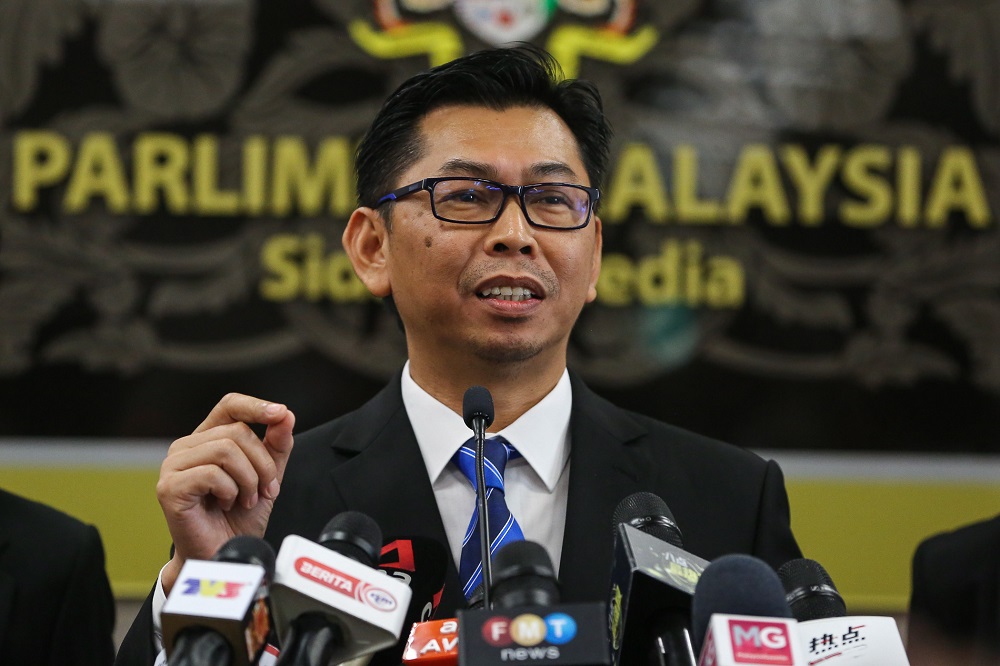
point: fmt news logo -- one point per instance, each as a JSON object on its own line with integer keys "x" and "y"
{"x": 761, "y": 642}
{"x": 529, "y": 636}
{"x": 215, "y": 589}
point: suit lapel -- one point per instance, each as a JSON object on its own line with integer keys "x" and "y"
{"x": 601, "y": 475}
{"x": 402, "y": 501}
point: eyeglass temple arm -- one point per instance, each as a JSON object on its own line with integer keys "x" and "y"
{"x": 403, "y": 191}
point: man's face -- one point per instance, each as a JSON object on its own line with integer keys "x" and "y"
{"x": 437, "y": 272}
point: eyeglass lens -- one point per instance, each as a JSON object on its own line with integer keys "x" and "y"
{"x": 480, "y": 201}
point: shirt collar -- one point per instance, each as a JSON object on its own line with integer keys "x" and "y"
{"x": 541, "y": 434}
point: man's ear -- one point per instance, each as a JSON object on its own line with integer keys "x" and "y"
{"x": 596, "y": 268}
{"x": 366, "y": 242}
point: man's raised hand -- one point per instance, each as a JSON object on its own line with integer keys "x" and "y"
{"x": 221, "y": 480}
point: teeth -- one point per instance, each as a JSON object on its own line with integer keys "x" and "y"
{"x": 507, "y": 293}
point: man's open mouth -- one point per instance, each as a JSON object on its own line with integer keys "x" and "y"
{"x": 507, "y": 293}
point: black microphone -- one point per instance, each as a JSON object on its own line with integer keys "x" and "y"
{"x": 354, "y": 535}
{"x": 739, "y": 585}
{"x": 217, "y": 613}
{"x": 523, "y": 576}
{"x": 810, "y": 591}
{"x": 527, "y": 622}
{"x": 330, "y": 604}
{"x": 477, "y": 410}
{"x": 652, "y": 581}
{"x": 422, "y": 563}
{"x": 648, "y": 513}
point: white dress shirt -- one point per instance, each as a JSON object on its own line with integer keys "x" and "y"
{"x": 536, "y": 485}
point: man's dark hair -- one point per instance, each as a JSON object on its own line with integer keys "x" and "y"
{"x": 497, "y": 79}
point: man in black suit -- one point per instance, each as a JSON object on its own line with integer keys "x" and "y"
{"x": 477, "y": 221}
{"x": 56, "y": 606}
{"x": 955, "y": 600}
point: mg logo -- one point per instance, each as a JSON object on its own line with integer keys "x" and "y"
{"x": 770, "y": 637}
{"x": 759, "y": 642}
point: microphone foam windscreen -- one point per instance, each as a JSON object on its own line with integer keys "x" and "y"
{"x": 521, "y": 558}
{"x": 648, "y": 513}
{"x": 245, "y": 549}
{"x": 477, "y": 402}
{"x": 355, "y": 535}
{"x": 810, "y": 591}
{"x": 523, "y": 575}
{"x": 736, "y": 585}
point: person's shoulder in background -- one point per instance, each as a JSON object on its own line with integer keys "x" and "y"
{"x": 56, "y": 605}
{"x": 955, "y": 598}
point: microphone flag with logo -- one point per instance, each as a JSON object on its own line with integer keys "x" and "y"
{"x": 739, "y": 615}
{"x": 527, "y": 624}
{"x": 217, "y": 613}
{"x": 652, "y": 580}
{"x": 826, "y": 632}
{"x": 328, "y": 598}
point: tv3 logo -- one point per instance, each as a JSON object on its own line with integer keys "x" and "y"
{"x": 216, "y": 589}
{"x": 761, "y": 642}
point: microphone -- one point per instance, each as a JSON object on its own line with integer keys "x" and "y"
{"x": 648, "y": 513}
{"x": 330, "y": 604}
{"x": 527, "y": 622}
{"x": 421, "y": 563}
{"x": 652, "y": 580}
{"x": 217, "y": 613}
{"x": 826, "y": 632}
{"x": 477, "y": 410}
{"x": 737, "y": 585}
{"x": 524, "y": 577}
{"x": 739, "y": 615}
{"x": 810, "y": 591}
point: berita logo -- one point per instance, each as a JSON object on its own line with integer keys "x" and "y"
{"x": 529, "y": 636}
{"x": 344, "y": 583}
{"x": 759, "y": 642}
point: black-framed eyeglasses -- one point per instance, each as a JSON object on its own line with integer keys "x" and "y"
{"x": 561, "y": 206}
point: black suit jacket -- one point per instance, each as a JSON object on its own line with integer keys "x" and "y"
{"x": 56, "y": 606}
{"x": 725, "y": 499}
{"x": 955, "y": 598}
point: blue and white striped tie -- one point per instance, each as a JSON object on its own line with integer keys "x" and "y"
{"x": 503, "y": 528}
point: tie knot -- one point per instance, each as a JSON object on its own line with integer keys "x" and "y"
{"x": 497, "y": 452}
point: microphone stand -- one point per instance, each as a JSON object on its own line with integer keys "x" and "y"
{"x": 671, "y": 641}
{"x": 479, "y": 429}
